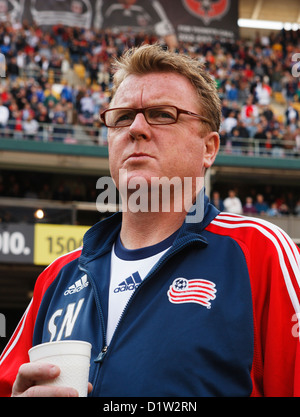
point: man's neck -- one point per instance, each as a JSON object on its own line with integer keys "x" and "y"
{"x": 146, "y": 229}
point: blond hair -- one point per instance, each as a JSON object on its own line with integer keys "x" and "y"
{"x": 154, "y": 58}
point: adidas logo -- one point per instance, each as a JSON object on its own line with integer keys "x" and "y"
{"x": 129, "y": 284}
{"x": 78, "y": 286}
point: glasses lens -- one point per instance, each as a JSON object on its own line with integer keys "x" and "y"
{"x": 161, "y": 115}
{"x": 119, "y": 117}
{"x": 158, "y": 115}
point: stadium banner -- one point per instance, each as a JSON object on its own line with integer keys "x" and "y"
{"x": 38, "y": 244}
{"x": 188, "y": 20}
{"x": 52, "y": 241}
{"x": 16, "y": 243}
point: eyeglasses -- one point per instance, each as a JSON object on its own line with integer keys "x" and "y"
{"x": 154, "y": 115}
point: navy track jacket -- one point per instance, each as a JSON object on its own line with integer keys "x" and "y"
{"x": 216, "y": 316}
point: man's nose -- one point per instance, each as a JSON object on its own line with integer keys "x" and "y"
{"x": 140, "y": 128}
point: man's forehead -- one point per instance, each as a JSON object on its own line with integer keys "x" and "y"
{"x": 156, "y": 86}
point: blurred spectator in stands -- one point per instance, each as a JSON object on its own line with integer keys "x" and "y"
{"x": 259, "y": 71}
{"x": 261, "y": 205}
{"x": 62, "y": 192}
{"x": 232, "y": 203}
{"x": 43, "y": 119}
{"x": 224, "y": 140}
{"x": 297, "y": 209}
{"x": 27, "y": 111}
{"x": 59, "y": 129}
{"x": 231, "y": 90}
{"x": 290, "y": 86}
{"x": 103, "y": 76}
{"x": 261, "y": 136}
{"x": 34, "y": 103}
{"x": 239, "y": 135}
{"x": 59, "y": 115}
{"x": 284, "y": 209}
{"x": 291, "y": 115}
{"x": 45, "y": 193}
{"x": 17, "y": 125}
{"x": 86, "y": 109}
{"x": 217, "y": 201}
{"x": 100, "y": 99}
{"x": 13, "y": 187}
{"x": 272, "y": 142}
{"x": 250, "y": 115}
{"x": 268, "y": 114}
{"x": 276, "y": 77}
{"x": 30, "y": 127}
{"x": 79, "y": 192}
{"x": 263, "y": 92}
{"x": 290, "y": 200}
{"x": 12, "y": 69}
{"x": 249, "y": 207}
{"x": 273, "y": 210}
{"x": 229, "y": 122}
{"x": 49, "y": 95}
{"x": 4, "y": 115}
{"x": 66, "y": 92}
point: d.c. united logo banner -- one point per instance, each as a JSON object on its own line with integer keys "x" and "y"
{"x": 207, "y": 10}
{"x": 192, "y": 21}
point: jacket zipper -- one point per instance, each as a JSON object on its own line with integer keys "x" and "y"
{"x": 106, "y": 348}
{"x": 166, "y": 257}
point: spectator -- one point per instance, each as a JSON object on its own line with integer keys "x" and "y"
{"x": 59, "y": 115}
{"x": 232, "y": 203}
{"x": 217, "y": 201}
{"x": 276, "y": 77}
{"x": 229, "y": 122}
{"x": 273, "y": 210}
{"x": 249, "y": 207}
{"x": 239, "y": 135}
{"x": 4, "y": 115}
{"x": 291, "y": 114}
{"x": 250, "y": 115}
{"x": 260, "y": 205}
{"x": 86, "y": 110}
{"x": 263, "y": 92}
{"x": 232, "y": 92}
{"x": 297, "y": 208}
{"x": 59, "y": 129}
{"x": 30, "y": 127}
{"x": 27, "y": 111}
{"x": 261, "y": 136}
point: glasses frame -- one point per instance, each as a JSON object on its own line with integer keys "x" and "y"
{"x": 143, "y": 111}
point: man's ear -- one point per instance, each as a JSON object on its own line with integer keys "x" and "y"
{"x": 212, "y": 144}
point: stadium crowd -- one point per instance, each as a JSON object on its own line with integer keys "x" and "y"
{"x": 61, "y": 78}
{"x": 251, "y": 75}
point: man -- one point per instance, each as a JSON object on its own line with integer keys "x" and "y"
{"x": 232, "y": 203}
{"x": 172, "y": 307}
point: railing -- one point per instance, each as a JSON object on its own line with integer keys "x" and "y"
{"x": 69, "y": 213}
{"x": 25, "y": 210}
{"x": 86, "y": 134}
{"x": 276, "y": 148}
{"x": 94, "y": 133}
{"x": 54, "y": 75}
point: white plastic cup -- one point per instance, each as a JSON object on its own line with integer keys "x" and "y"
{"x": 73, "y": 359}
